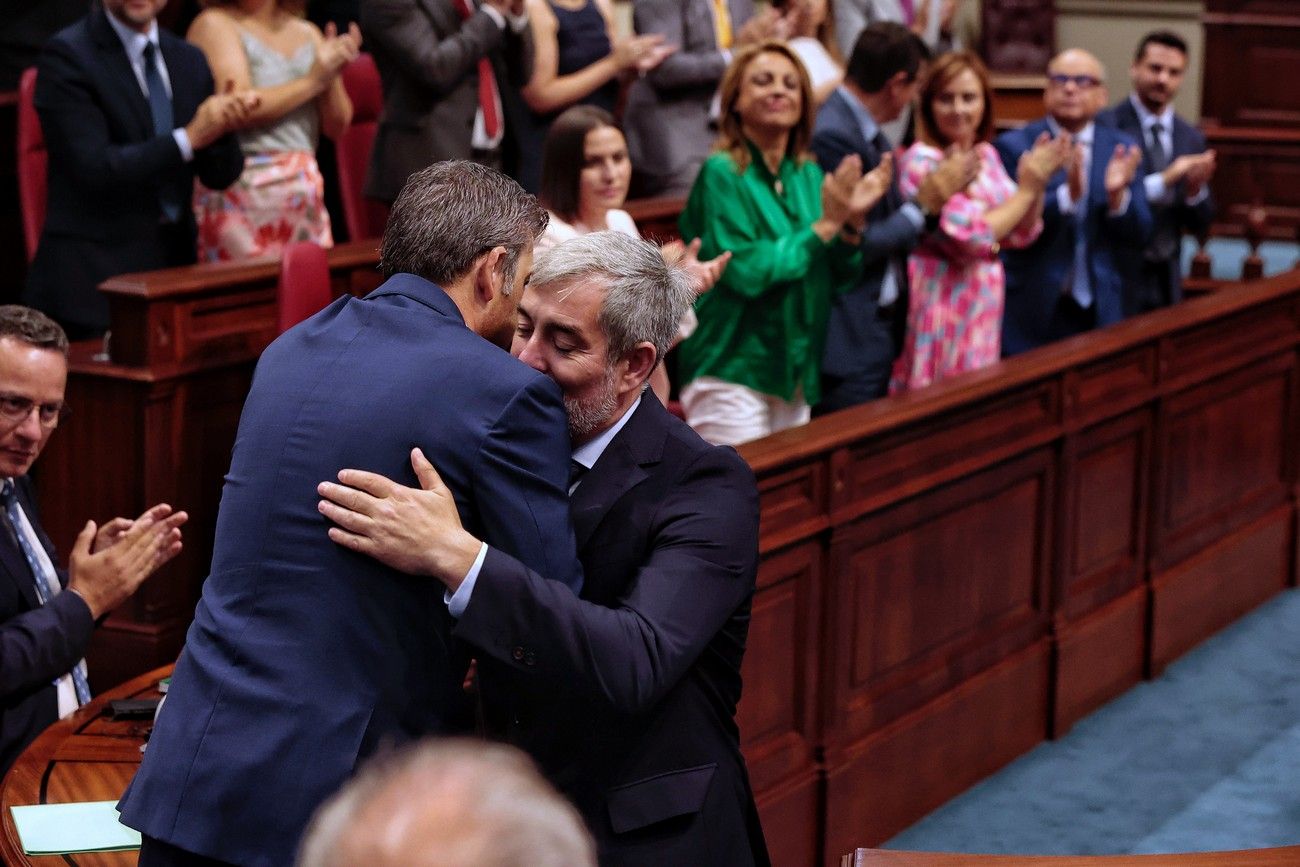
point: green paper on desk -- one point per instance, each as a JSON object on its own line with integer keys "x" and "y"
{"x": 56, "y": 829}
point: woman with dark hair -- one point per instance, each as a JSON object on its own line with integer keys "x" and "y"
{"x": 267, "y": 46}
{"x": 753, "y": 366}
{"x": 957, "y": 283}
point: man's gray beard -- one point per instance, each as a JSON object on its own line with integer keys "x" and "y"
{"x": 587, "y": 414}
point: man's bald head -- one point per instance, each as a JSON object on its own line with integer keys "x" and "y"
{"x": 448, "y": 804}
{"x": 1076, "y": 88}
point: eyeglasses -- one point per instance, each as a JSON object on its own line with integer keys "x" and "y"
{"x": 15, "y": 409}
{"x": 1083, "y": 82}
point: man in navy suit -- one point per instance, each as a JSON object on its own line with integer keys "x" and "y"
{"x": 130, "y": 119}
{"x": 1176, "y": 168}
{"x": 304, "y": 658}
{"x": 627, "y": 695}
{"x": 47, "y": 614}
{"x": 865, "y": 332}
{"x": 1071, "y": 280}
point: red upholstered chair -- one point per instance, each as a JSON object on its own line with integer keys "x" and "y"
{"x": 365, "y": 217}
{"x": 304, "y": 287}
{"x": 32, "y": 160}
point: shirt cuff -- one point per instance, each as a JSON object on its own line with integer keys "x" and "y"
{"x": 493, "y": 13}
{"x": 1193, "y": 201}
{"x": 1124, "y": 202}
{"x": 183, "y": 142}
{"x": 912, "y": 211}
{"x": 1064, "y": 203}
{"x": 457, "y": 602}
{"x": 1157, "y": 191}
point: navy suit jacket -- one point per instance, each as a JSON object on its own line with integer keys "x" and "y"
{"x": 1171, "y": 221}
{"x": 38, "y": 643}
{"x": 107, "y": 166}
{"x": 858, "y": 346}
{"x": 640, "y": 677}
{"x": 1037, "y": 274}
{"x": 304, "y": 658}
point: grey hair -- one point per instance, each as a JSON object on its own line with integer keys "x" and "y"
{"x": 645, "y": 297}
{"x": 448, "y": 803}
{"x": 452, "y": 212}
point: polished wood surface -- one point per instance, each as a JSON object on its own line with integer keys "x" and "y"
{"x": 1286, "y": 856}
{"x": 953, "y": 575}
{"x": 86, "y": 757}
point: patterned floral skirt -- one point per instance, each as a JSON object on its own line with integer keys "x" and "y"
{"x": 280, "y": 198}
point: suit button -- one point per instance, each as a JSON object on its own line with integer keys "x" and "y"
{"x": 530, "y": 658}
{"x": 517, "y": 654}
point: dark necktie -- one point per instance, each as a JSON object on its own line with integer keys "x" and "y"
{"x": 1159, "y": 159}
{"x": 576, "y": 472}
{"x": 43, "y": 589}
{"x": 160, "y": 106}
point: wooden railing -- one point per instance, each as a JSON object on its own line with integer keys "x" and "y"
{"x": 951, "y": 576}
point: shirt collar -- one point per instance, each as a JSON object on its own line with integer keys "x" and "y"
{"x": 133, "y": 40}
{"x": 588, "y": 453}
{"x": 1083, "y": 136}
{"x": 866, "y": 122}
{"x": 1146, "y": 118}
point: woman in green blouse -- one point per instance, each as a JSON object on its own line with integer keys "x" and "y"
{"x": 751, "y": 367}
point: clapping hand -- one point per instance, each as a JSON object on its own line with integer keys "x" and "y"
{"x": 869, "y": 190}
{"x": 642, "y": 53}
{"x": 703, "y": 275}
{"x": 1195, "y": 169}
{"x": 837, "y": 191}
{"x": 1038, "y": 164}
{"x": 1120, "y": 172}
{"x": 335, "y": 52}
{"x": 953, "y": 174}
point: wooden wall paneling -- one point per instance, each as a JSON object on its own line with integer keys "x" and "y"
{"x": 792, "y": 504}
{"x": 1226, "y": 444}
{"x": 791, "y": 815}
{"x": 928, "y": 593}
{"x": 1098, "y": 656}
{"x": 883, "y": 784}
{"x": 1111, "y": 386}
{"x": 1195, "y": 354}
{"x": 1256, "y": 167}
{"x": 1198, "y": 597}
{"x": 1250, "y": 68}
{"x": 913, "y": 458}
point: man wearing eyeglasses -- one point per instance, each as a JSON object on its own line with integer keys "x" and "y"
{"x": 1072, "y": 279}
{"x": 47, "y": 614}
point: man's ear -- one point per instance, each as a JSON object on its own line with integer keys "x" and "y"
{"x": 638, "y": 364}
{"x": 489, "y": 274}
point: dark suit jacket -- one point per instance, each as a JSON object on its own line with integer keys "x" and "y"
{"x": 106, "y": 167}
{"x": 641, "y": 676}
{"x": 428, "y": 60}
{"x": 860, "y": 347}
{"x": 37, "y": 643}
{"x": 667, "y": 114}
{"x": 1036, "y": 275}
{"x": 304, "y": 657}
{"x": 1160, "y": 264}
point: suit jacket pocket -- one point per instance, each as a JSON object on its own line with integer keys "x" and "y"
{"x": 664, "y": 796}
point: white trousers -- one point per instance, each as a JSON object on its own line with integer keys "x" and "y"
{"x": 728, "y": 414}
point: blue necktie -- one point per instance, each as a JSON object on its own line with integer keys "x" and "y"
{"x": 1080, "y": 279}
{"x": 43, "y": 589}
{"x": 160, "y": 106}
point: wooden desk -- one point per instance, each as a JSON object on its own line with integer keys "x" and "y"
{"x": 1286, "y": 856}
{"x": 86, "y": 757}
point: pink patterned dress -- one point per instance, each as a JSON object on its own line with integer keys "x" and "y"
{"x": 954, "y": 319}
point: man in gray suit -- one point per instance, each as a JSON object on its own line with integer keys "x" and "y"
{"x": 668, "y": 119}
{"x": 452, "y": 70}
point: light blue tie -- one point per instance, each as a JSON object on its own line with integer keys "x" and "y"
{"x": 41, "y": 579}
{"x": 160, "y": 106}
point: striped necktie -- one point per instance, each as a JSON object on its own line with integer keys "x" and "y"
{"x": 42, "y": 580}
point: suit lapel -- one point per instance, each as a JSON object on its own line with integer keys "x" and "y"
{"x": 120, "y": 77}
{"x": 620, "y": 468}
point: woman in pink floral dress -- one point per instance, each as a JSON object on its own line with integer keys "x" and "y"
{"x": 295, "y": 69}
{"x": 957, "y": 283}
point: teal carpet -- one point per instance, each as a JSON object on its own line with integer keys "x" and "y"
{"x": 1207, "y": 757}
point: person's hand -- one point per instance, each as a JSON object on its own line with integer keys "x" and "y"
{"x": 953, "y": 174}
{"x": 947, "y": 11}
{"x": 1039, "y": 163}
{"x": 335, "y": 52}
{"x": 869, "y": 190}
{"x": 767, "y": 24}
{"x": 508, "y": 8}
{"x": 703, "y": 275}
{"x": 630, "y": 52}
{"x": 654, "y": 57}
{"x": 1195, "y": 169}
{"x": 1120, "y": 172}
{"x": 110, "y": 533}
{"x": 837, "y": 191}
{"x": 412, "y": 530}
{"x": 221, "y": 113}
{"x": 105, "y": 576}
{"x": 1073, "y": 169}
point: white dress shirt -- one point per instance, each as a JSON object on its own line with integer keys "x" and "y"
{"x": 134, "y": 42}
